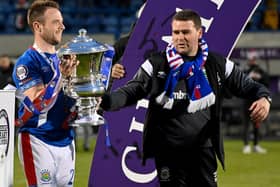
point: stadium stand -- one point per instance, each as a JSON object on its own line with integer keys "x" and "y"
{"x": 266, "y": 17}
{"x": 112, "y": 17}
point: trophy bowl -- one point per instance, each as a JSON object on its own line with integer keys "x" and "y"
{"x": 90, "y": 78}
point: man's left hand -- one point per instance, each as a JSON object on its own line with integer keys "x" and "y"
{"x": 259, "y": 110}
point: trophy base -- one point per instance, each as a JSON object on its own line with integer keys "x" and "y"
{"x": 93, "y": 120}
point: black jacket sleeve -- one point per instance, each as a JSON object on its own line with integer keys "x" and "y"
{"x": 241, "y": 85}
{"x": 136, "y": 89}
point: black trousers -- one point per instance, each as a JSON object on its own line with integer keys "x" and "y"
{"x": 195, "y": 168}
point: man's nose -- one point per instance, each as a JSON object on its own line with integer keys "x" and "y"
{"x": 62, "y": 26}
{"x": 181, "y": 35}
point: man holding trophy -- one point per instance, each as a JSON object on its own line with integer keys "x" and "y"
{"x": 46, "y": 146}
{"x": 50, "y": 86}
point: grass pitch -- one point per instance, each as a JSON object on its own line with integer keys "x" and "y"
{"x": 252, "y": 170}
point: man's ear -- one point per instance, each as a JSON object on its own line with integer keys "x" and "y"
{"x": 200, "y": 32}
{"x": 37, "y": 26}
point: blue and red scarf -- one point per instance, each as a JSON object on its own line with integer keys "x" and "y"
{"x": 199, "y": 91}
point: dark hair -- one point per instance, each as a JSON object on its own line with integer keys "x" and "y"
{"x": 186, "y": 15}
{"x": 38, "y": 9}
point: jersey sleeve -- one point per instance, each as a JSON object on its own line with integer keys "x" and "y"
{"x": 26, "y": 73}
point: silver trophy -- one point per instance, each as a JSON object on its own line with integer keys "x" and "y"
{"x": 90, "y": 78}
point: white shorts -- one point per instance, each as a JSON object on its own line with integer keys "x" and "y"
{"x": 46, "y": 165}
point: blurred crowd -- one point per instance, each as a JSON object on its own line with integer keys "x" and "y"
{"x": 266, "y": 17}
{"x": 107, "y": 16}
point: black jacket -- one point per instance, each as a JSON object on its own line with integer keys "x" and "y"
{"x": 175, "y": 127}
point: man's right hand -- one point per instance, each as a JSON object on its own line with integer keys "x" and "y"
{"x": 68, "y": 64}
{"x": 118, "y": 71}
{"x": 259, "y": 110}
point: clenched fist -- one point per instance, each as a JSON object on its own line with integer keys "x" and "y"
{"x": 118, "y": 71}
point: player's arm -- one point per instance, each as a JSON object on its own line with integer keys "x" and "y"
{"x": 66, "y": 68}
{"x": 242, "y": 86}
{"x": 34, "y": 91}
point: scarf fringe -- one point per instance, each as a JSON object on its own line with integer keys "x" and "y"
{"x": 169, "y": 104}
{"x": 202, "y": 103}
{"x": 162, "y": 98}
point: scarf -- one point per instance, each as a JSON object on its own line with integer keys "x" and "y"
{"x": 199, "y": 91}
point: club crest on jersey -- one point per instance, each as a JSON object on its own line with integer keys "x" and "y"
{"x": 21, "y": 72}
{"x": 45, "y": 176}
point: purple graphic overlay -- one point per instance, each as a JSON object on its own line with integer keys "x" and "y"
{"x": 120, "y": 165}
